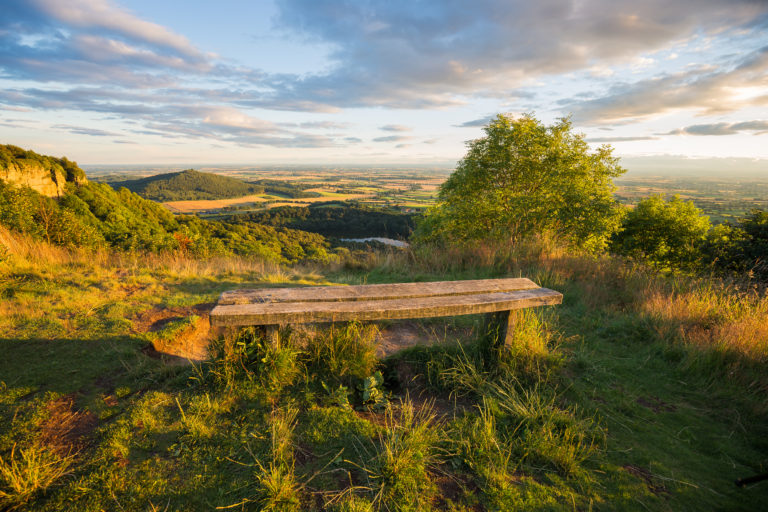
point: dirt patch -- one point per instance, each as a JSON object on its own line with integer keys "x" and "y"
{"x": 656, "y": 404}
{"x": 655, "y": 487}
{"x": 451, "y": 489}
{"x": 66, "y": 430}
{"x": 399, "y": 336}
{"x": 191, "y": 344}
{"x": 156, "y": 318}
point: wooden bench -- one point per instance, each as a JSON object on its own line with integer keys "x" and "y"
{"x": 272, "y": 307}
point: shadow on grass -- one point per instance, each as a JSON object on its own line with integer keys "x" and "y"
{"x": 76, "y": 365}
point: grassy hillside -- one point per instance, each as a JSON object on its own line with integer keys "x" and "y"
{"x": 189, "y": 185}
{"x": 94, "y": 215}
{"x": 639, "y": 392}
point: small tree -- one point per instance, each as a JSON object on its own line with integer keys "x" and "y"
{"x": 525, "y": 179}
{"x": 741, "y": 248}
{"x": 668, "y": 234}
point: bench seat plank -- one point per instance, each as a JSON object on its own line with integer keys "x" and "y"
{"x": 374, "y": 291}
{"x": 271, "y": 313}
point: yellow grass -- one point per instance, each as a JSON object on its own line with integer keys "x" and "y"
{"x": 212, "y": 204}
{"x": 216, "y": 204}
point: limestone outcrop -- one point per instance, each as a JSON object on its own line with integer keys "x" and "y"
{"x": 47, "y": 175}
{"x": 43, "y": 177}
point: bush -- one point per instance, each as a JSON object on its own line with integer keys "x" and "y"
{"x": 667, "y": 234}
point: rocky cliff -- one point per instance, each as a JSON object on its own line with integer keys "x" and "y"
{"x": 47, "y": 175}
{"x": 47, "y": 181}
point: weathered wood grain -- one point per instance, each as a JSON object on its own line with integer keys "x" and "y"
{"x": 374, "y": 291}
{"x": 380, "y": 309}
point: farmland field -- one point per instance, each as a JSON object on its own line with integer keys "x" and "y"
{"x": 723, "y": 199}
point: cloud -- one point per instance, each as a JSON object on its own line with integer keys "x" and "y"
{"x": 483, "y": 121}
{"x": 106, "y": 16}
{"x": 392, "y": 138}
{"x": 318, "y": 125}
{"x": 429, "y": 54}
{"x": 96, "y": 56}
{"x": 619, "y": 139}
{"x": 705, "y": 89}
{"x": 79, "y": 130}
{"x": 395, "y": 128}
{"x": 759, "y": 127}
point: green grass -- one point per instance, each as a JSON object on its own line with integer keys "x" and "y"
{"x": 637, "y": 393}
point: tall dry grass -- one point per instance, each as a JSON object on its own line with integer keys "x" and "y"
{"x": 25, "y": 251}
{"x": 720, "y": 321}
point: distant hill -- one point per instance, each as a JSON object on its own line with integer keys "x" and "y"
{"x": 82, "y": 213}
{"x": 189, "y": 185}
{"x": 46, "y": 175}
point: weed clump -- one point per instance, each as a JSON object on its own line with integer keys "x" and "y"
{"x": 399, "y": 474}
{"x": 248, "y": 356}
{"x": 342, "y": 355}
{"x": 25, "y": 472}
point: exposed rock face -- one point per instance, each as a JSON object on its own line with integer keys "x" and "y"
{"x": 48, "y": 180}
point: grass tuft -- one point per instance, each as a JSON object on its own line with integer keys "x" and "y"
{"x": 399, "y": 474}
{"x": 342, "y": 354}
{"x": 25, "y": 472}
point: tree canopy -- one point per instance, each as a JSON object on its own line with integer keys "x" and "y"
{"x": 667, "y": 234}
{"x": 525, "y": 179}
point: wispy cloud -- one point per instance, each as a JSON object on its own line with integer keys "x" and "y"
{"x": 705, "y": 89}
{"x": 97, "y": 57}
{"x": 757, "y": 127}
{"x": 429, "y": 54}
{"x": 483, "y": 121}
{"x": 392, "y": 138}
{"x": 80, "y": 130}
{"x": 619, "y": 139}
{"x": 395, "y": 128}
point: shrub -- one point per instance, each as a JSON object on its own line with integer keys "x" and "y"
{"x": 667, "y": 234}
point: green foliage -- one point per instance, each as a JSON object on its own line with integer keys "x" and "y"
{"x": 249, "y": 239}
{"x": 26, "y": 211}
{"x": 407, "y": 452}
{"x": 339, "y": 221}
{"x": 371, "y": 391}
{"x": 667, "y": 234}
{"x": 342, "y": 354}
{"x": 741, "y": 248}
{"x": 273, "y": 364}
{"x": 189, "y": 185}
{"x": 26, "y": 472}
{"x": 15, "y": 156}
{"x": 524, "y": 180}
{"x": 94, "y": 214}
{"x": 286, "y": 189}
{"x": 124, "y": 219}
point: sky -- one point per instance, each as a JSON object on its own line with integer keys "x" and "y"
{"x": 377, "y": 82}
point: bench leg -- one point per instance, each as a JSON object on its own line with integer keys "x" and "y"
{"x": 500, "y": 327}
{"x": 272, "y": 334}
